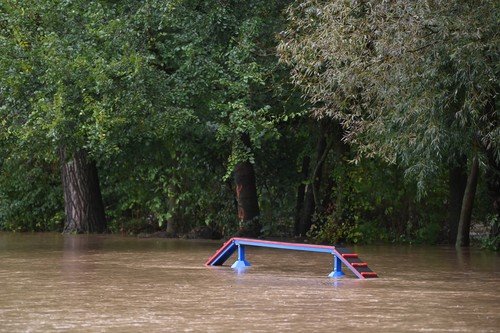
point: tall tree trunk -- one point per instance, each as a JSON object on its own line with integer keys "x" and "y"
{"x": 457, "y": 182}
{"x": 340, "y": 151}
{"x": 83, "y": 203}
{"x": 307, "y": 211}
{"x": 314, "y": 185}
{"x": 493, "y": 185}
{"x": 463, "y": 237}
{"x": 246, "y": 194}
{"x": 172, "y": 220}
{"x": 493, "y": 169}
{"x": 301, "y": 191}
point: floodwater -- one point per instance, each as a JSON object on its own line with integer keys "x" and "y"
{"x": 50, "y": 282}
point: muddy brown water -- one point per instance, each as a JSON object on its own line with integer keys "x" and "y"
{"x": 55, "y": 283}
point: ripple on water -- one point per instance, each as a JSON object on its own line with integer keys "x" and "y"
{"x": 107, "y": 283}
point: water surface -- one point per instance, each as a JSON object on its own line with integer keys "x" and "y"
{"x": 55, "y": 283}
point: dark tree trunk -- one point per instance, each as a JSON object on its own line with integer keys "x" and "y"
{"x": 313, "y": 187}
{"x": 457, "y": 182}
{"x": 328, "y": 202}
{"x": 301, "y": 190}
{"x": 463, "y": 239}
{"x": 172, "y": 221}
{"x": 332, "y": 204}
{"x": 246, "y": 194}
{"x": 493, "y": 185}
{"x": 493, "y": 169}
{"x": 308, "y": 209}
{"x": 82, "y": 195}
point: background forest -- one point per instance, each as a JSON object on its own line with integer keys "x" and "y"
{"x": 338, "y": 121}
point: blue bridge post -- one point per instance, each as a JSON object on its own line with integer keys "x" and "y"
{"x": 337, "y": 268}
{"x": 241, "y": 262}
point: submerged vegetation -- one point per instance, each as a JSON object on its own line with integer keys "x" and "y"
{"x": 340, "y": 121}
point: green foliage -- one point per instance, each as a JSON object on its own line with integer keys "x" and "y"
{"x": 372, "y": 202}
{"x": 492, "y": 240}
{"x": 412, "y": 83}
{"x": 161, "y": 93}
{"x": 429, "y": 233}
{"x": 334, "y": 231}
{"x": 30, "y": 196}
{"x": 75, "y": 77}
{"x": 158, "y": 92}
{"x": 372, "y": 232}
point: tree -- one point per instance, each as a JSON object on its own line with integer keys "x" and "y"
{"x": 73, "y": 82}
{"x": 410, "y": 82}
{"x": 223, "y": 69}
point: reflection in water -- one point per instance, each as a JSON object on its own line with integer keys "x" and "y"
{"x": 76, "y": 248}
{"x": 80, "y": 244}
{"x": 463, "y": 258}
{"x": 50, "y": 282}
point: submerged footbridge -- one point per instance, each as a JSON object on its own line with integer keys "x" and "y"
{"x": 340, "y": 255}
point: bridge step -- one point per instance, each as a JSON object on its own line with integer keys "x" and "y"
{"x": 359, "y": 264}
{"x": 369, "y": 274}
